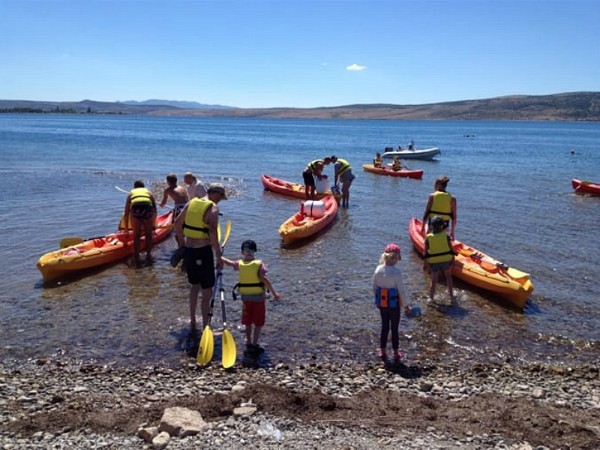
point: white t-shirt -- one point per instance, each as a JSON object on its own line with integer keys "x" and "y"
{"x": 196, "y": 190}
{"x": 390, "y": 277}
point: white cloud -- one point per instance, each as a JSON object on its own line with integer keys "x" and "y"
{"x": 356, "y": 67}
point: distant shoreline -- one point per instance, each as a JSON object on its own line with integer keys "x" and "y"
{"x": 576, "y": 106}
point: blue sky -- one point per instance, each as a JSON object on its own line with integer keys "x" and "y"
{"x": 297, "y": 53}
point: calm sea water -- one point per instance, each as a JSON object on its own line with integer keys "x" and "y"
{"x": 515, "y": 202}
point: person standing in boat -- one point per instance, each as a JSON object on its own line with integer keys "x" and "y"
{"x": 440, "y": 203}
{"x": 390, "y": 297}
{"x": 313, "y": 169}
{"x": 177, "y": 193}
{"x": 140, "y": 212}
{"x": 195, "y": 189}
{"x": 196, "y": 230}
{"x": 439, "y": 257}
{"x": 343, "y": 173}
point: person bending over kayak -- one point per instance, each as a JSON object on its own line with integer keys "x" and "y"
{"x": 312, "y": 170}
{"x": 140, "y": 212}
{"x": 343, "y": 174}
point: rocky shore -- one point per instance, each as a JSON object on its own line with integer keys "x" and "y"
{"x": 61, "y": 404}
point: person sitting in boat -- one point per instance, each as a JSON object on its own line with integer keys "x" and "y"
{"x": 312, "y": 170}
{"x": 411, "y": 146}
{"x": 396, "y": 164}
{"x": 378, "y": 162}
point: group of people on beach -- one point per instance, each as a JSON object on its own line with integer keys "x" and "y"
{"x": 196, "y": 213}
{"x": 196, "y": 221}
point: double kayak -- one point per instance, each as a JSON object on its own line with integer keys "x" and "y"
{"x": 290, "y": 189}
{"x": 478, "y": 269}
{"x": 307, "y": 222}
{"x": 384, "y": 170}
{"x": 585, "y": 187}
{"x": 95, "y": 252}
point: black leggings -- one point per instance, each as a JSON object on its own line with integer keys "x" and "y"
{"x": 389, "y": 316}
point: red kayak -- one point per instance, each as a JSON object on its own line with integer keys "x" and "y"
{"x": 417, "y": 174}
{"x": 290, "y": 189}
{"x": 585, "y": 187}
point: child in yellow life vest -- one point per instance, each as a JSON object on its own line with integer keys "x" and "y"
{"x": 439, "y": 256}
{"x": 396, "y": 164}
{"x": 390, "y": 297}
{"x": 252, "y": 287}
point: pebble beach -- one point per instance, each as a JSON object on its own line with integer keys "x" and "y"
{"x": 60, "y": 404}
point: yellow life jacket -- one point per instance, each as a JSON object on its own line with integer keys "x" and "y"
{"x": 441, "y": 205}
{"x": 140, "y": 196}
{"x": 344, "y": 166}
{"x": 439, "y": 250}
{"x": 312, "y": 166}
{"x": 250, "y": 283}
{"x": 194, "y": 225}
{"x": 377, "y": 162}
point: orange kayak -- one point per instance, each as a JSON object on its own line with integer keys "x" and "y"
{"x": 585, "y": 187}
{"x": 481, "y": 270}
{"x": 290, "y": 189}
{"x": 303, "y": 224}
{"x": 417, "y": 174}
{"x": 97, "y": 252}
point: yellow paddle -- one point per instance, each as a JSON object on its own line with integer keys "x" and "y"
{"x": 206, "y": 348}
{"x": 207, "y": 342}
{"x": 229, "y": 348}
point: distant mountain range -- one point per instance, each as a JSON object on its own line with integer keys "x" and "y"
{"x": 177, "y": 104}
{"x": 573, "y": 106}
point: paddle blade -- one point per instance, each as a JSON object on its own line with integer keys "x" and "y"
{"x": 207, "y": 347}
{"x": 219, "y": 232}
{"x": 229, "y": 350}
{"x": 227, "y": 233}
{"x": 67, "y": 242}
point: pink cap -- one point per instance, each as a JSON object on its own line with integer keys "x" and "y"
{"x": 392, "y": 248}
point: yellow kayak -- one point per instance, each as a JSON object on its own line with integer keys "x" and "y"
{"x": 304, "y": 224}
{"x": 96, "y": 252}
{"x": 481, "y": 270}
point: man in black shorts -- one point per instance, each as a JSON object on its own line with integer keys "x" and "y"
{"x": 196, "y": 229}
